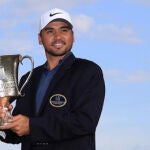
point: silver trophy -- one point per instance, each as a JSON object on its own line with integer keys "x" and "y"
{"x": 9, "y": 81}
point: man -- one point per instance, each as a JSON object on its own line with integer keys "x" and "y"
{"x": 64, "y": 97}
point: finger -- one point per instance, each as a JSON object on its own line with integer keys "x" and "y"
{"x": 10, "y": 107}
{"x": 6, "y": 126}
{"x": 2, "y": 113}
{"x": 14, "y": 118}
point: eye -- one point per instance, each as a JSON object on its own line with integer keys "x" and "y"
{"x": 65, "y": 29}
{"x": 49, "y": 30}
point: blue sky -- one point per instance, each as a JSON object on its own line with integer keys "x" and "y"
{"x": 114, "y": 34}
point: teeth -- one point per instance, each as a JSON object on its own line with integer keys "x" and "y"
{"x": 58, "y": 45}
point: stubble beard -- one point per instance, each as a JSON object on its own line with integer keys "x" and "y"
{"x": 55, "y": 54}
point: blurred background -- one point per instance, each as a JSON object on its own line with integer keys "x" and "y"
{"x": 114, "y": 34}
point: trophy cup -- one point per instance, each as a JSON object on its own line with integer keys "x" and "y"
{"x": 9, "y": 81}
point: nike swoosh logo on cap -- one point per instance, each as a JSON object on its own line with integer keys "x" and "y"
{"x": 54, "y": 14}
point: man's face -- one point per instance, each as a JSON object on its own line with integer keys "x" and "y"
{"x": 57, "y": 38}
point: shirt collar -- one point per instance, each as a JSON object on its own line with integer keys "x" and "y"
{"x": 60, "y": 61}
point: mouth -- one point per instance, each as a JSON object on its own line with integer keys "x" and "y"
{"x": 58, "y": 44}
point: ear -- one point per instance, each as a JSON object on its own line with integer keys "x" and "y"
{"x": 40, "y": 40}
{"x": 73, "y": 36}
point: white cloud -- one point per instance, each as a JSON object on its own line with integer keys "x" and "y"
{"x": 113, "y": 73}
{"x": 22, "y": 14}
{"x": 138, "y": 77}
{"x": 107, "y": 32}
{"x": 29, "y": 6}
{"x": 128, "y": 77}
{"x": 115, "y": 33}
{"x": 83, "y": 23}
{"x": 14, "y": 46}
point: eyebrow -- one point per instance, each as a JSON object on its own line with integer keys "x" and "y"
{"x": 48, "y": 28}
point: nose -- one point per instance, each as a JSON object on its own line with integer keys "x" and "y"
{"x": 57, "y": 34}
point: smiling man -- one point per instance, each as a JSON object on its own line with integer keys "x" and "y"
{"x": 64, "y": 98}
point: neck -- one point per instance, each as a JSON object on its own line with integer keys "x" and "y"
{"x": 52, "y": 61}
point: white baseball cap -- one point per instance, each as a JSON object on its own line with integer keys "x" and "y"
{"x": 52, "y": 15}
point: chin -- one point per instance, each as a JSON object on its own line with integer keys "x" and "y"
{"x": 57, "y": 53}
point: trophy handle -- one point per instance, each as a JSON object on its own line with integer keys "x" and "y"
{"x": 29, "y": 76}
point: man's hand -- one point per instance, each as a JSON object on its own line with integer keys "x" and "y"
{"x": 18, "y": 124}
{"x": 4, "y": 102}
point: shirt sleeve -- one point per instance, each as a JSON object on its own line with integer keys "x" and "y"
{"x": 8, "y": 136}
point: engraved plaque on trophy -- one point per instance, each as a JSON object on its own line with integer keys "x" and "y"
{"x": 9, "y": 81}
